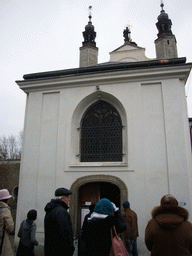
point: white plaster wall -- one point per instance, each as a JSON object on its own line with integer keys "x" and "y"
{"x": 128, "y": 53}
{"x": 88, "y": 56}
{"x": 166, "y": 47}
{"x": 157, "y": 145}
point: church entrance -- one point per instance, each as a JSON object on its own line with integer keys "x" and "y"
{"x": 89, "y": 190}
{"x": 91, "y": 193}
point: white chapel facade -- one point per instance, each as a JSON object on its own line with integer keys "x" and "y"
{"x": 118, "y": 130}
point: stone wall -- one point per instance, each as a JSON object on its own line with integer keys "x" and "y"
{"x": 9, "y": 179}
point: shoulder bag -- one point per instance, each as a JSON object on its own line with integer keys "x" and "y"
{"x": 117, "y": 245}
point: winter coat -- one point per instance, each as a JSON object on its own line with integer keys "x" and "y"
{"x": 130, "y": 218}
{"x": 168, "y": 232}
{"x": 7, "y": 220}
{"x": 58, "y": 229}
{"x": 97, "y": 233}
{"x": 27, "y": 232}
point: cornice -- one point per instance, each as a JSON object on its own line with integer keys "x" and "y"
{"x": 109, "y": 77}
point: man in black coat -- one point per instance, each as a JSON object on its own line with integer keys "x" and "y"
{"x": 58, "y": 226}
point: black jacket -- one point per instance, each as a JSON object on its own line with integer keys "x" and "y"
{"x": 58, "y": 229}
{"x": 97, "y": 233}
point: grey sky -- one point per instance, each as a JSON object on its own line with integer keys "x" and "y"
{"x": 45, "y": 35}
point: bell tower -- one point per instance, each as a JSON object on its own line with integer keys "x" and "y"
{"x": 165, "y": 44}
{"x": 89, "y": 51}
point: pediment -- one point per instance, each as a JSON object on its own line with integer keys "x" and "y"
{"x": 127, "y": 47}
{"x": 128, "y": 53}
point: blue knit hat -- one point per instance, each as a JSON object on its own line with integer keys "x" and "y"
{"x": 104, "y": 206}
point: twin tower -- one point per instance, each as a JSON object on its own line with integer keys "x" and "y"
{"x": 165, "y": 44}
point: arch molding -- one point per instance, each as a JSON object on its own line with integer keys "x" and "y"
{"x": 92, "y": 178}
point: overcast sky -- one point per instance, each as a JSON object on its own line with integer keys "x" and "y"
{"x": 45, "y": 35}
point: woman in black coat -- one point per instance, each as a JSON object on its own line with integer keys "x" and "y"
{"x": 97, "y": 229}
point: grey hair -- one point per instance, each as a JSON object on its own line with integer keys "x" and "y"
{"x": 59, "y": 197}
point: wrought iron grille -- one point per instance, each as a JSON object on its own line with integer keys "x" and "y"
{"x": 101, "y": 134}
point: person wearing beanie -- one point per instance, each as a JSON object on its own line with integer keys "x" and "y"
{"x": 97, "y": 231}
{"x": 169, "y": 232}
{"x": 58, "y": 226}
{"x": 131, "y": 233}
{"x": 26, "y": 234}
{"x": 6, "y": 224}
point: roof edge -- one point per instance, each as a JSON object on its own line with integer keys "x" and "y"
{"x": 105, "y": 67}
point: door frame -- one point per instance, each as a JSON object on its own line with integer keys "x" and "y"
{"x": 74, "y": 204}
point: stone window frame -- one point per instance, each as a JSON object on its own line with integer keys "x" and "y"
{"x": 78, "y": 113}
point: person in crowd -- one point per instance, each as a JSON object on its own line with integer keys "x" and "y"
{"x": 91, "y": 209}
{"x": 131, "y": 233}
{"x": 6, "y": 224}
{"x": 97, "y": 232}
{"x": 81, "y": 242}
{"x": 169, "y": 232}
{"x": 58, "y": 226}
{"x": 26, "y": 234}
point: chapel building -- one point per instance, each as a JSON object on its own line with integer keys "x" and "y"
{"x": 117, "y": 130}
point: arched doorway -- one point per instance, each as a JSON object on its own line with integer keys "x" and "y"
{"x": 89, "y": 190}
{"x": 91, "y": 193}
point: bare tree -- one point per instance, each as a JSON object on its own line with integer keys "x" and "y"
{"x": 20, "y": 142}
{"x": 10, "y": 147}
{"x": 4, "y": 147}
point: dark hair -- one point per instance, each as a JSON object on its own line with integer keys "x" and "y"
{"x": 169, "y": 200}
{"x": 91, "y": 207}
{"x": 32, "y": 215}
{"x": 5, "y": 200}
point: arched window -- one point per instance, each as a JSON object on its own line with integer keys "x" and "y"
{"x": 101, "y": 134}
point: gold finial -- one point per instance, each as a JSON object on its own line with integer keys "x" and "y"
{"x": 128, "y": 25}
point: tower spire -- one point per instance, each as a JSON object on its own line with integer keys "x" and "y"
{"x": 89, "y": 51}
{"x": 89, "y": 34}
{"x": 90, "y": 13}
{"x": 166, "y": 42}
{"x": 164, "y": 23}
{"x": 162, "y": 5}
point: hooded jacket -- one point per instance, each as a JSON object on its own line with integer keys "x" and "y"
{"x": 27, "y": 233}
{"x": 7, "y": 220}
{"x": 58, "y": 229}
{"x": 169, "y": 232}
{"x": 97, "y": 232}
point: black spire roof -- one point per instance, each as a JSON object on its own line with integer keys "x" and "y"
{"x": 89, "y": 34}
{"x": 164, "y": 23}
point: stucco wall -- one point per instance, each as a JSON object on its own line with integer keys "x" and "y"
{"x": 156, "y": 144}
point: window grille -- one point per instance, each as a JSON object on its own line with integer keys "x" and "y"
{"x": 101, "y": 134}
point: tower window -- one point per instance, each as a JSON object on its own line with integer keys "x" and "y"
{"x": 168, "y": 42}
{"x": 101, "y": 134}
